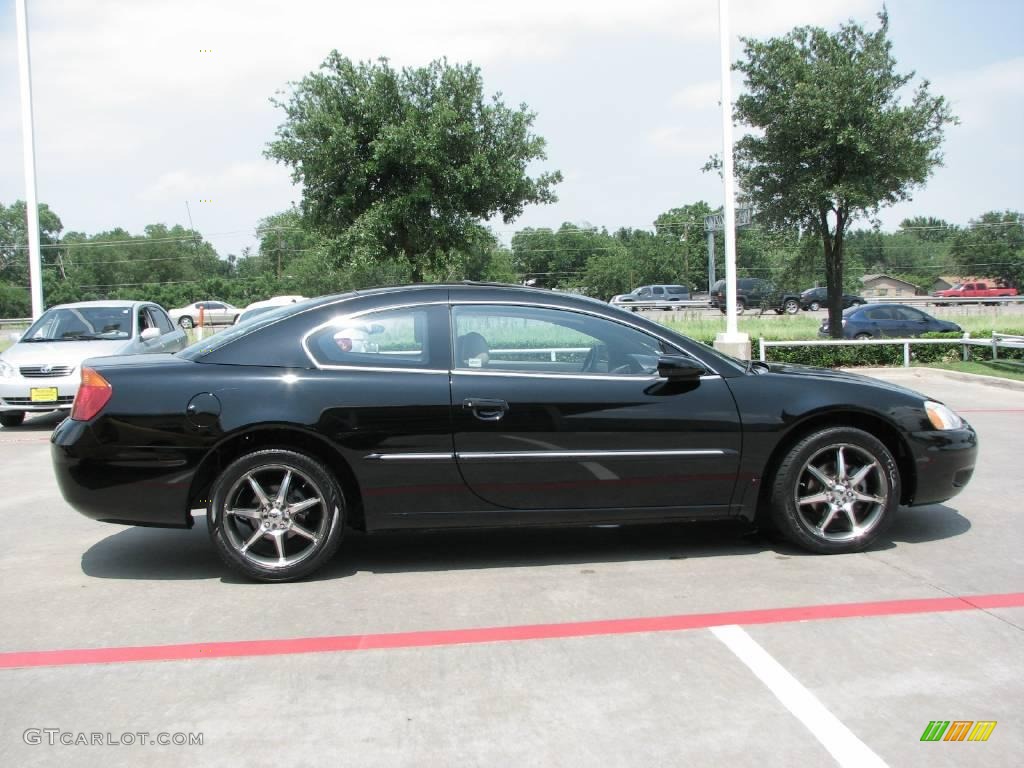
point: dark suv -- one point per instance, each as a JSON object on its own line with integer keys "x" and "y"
{"x": 753, "y": 292}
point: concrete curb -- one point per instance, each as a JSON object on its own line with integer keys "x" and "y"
{"x": 922, "y": 372}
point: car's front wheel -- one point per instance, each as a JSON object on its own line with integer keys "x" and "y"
{"x": 185, "y": 322}
{"x": 792, "y": 306}
{"x": 276, "y": 515}
{"x": 815, "y": 306}
{"x": 12, "y": 418}
{"x": 835, "y": 491}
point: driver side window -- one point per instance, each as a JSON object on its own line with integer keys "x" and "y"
{"x": 500, "y": 338}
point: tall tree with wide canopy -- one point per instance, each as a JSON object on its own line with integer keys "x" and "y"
{"x": 832, "y": 140}
{"x": 406, "y": 163}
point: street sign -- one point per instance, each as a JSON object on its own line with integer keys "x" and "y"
{"x": 716, "y": 221}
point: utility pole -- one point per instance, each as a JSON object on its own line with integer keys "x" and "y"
{"x": 35, "y": 271}
{"x": 732, "y": 341}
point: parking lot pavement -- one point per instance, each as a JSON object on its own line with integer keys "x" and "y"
{"x": 643, "y": 698}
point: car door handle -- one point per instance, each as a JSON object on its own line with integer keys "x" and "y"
{"x": 485, "y": 408}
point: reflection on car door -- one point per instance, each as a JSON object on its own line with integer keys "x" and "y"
{"x": 555, "y": 409}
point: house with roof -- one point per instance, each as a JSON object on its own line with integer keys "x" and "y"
{"x": 887, "y": 286}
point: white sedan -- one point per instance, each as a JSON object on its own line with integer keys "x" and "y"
{"x": 214, "y": 313}
{"x": 40, "y": 372}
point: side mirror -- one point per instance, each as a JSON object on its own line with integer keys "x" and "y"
{"x": 148, "y": 334}
{"x": 679, "y": 368}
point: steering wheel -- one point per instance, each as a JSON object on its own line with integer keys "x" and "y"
{"x": 596, "y": 355}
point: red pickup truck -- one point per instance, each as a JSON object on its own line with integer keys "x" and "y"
{"x": 975, "y": 291}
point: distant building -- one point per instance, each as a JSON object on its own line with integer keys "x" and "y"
{"x": 888, "y": 286}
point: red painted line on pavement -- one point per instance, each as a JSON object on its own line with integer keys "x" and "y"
{"x": 220, "y": 650}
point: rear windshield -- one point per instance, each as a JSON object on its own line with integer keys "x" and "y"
{"x": 206, "y": 346}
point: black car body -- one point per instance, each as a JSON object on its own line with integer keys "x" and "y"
{"x": 753, "y": 292}
{"x": 817, "y": 298}
{"x": 427, "y": 407}
{"x": 877, "y": 321}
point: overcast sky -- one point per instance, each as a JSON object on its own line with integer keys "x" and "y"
{"x": 132, "y": 119}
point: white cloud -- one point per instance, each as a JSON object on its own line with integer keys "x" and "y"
{"x": 704, "y": 95}
{"x": 229, "y": 182}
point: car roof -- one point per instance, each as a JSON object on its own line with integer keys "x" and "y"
{"x": 113, "y": 303}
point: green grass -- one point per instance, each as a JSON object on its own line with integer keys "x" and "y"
{"x": 801, "y": 327}
{"x": 1004, "y": 369}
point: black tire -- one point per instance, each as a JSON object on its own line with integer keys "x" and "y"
{"x": 325, "y": 519}
{"x": 863, "y": 336}
{"x": 815, "y": 306}
{"x": 834, "y": 532}
{"x": 12, "y": 418}
{"x": 185, "y": 322}
{"x": 791, "y": 306}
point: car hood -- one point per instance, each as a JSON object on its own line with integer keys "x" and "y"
{"x": 812, "y": 372}
{"x": 70, "y": 353}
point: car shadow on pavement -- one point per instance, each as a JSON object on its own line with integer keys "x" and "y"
{"x": 155, "y": 553}
{"x": 41, "y": 422}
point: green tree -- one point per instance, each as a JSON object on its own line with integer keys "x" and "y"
{"x": 14, "y": 241}
{"x": 832, "y": 140}
{"x": 403, "y": 164}
{"x": 992, "y": 246}
{"x": 559, "y": 258}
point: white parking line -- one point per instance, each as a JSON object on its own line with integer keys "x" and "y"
{"x": 839, "y": 740}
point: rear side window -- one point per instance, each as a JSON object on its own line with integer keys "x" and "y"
{"x": 676, "y": 290}
{"x": 389, "y": 339}
{"x": 880, "y": 313}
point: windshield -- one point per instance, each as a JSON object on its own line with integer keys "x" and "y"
{"x": 81, "y": 324}
{"x": 218, "y": 340}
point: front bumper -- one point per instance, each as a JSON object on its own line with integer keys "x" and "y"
{"x": 147, "y": 486}
{"x": 16, "y": 392}
{"x": 944, "y": 461}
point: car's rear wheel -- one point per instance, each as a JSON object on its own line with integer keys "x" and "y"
{"x": 862, "y": 336}
{"x": 12, "y": 418}
{"x": 815, "y": 306}
{"x": 836, "y": 491}
{"x": 792, "y": 306}
{"x": 741, "y": 306}
{"x": 276, "y": 515}
{"x": 185, "y": 322}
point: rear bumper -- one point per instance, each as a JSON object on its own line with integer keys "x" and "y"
{"x": 133, "y": 486}
{"x": 944, "y": 461}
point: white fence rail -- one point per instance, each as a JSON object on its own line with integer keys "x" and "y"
{"x": 15, "y": 321}
{"x": 997, "y": 341}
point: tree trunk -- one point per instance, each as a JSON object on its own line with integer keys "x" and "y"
{"x": 833, "y": 269}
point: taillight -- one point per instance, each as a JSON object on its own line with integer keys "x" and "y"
{"x": 93, "y": 394}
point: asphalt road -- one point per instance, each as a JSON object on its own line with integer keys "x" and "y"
{"x": 714, "y": 685}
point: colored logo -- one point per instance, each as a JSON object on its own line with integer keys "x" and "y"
{"x": 958, "y": 730}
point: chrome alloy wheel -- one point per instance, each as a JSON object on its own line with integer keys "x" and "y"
{"x": 275, "y": 516}
{"x": 842, "y": 493}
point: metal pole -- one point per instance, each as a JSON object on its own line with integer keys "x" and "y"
{"x": 35, "y": 271}
{"x": 711, "y": 260}
{"x": 727, "y": 168}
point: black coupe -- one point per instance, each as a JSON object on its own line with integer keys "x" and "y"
{"x": 477, "y": 405}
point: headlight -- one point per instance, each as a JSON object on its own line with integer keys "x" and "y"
{"x": 6, "y": 369}
{"x": 942, "y": 417}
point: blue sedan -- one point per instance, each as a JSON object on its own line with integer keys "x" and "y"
{"x": 876, "y": 321}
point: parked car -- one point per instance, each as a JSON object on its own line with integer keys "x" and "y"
{"x": 430, "y": 407}
{"x": 875, "y": 321}
{"x": 664, "y": 295}
{"x": 975, "y": 291}
{"x": 40, "y": 372}
{"x": 214, "y": 313}
{"x": 260, "y": 307}
{"x": 814, "y": 299}
{"x": 753, "y": 292}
